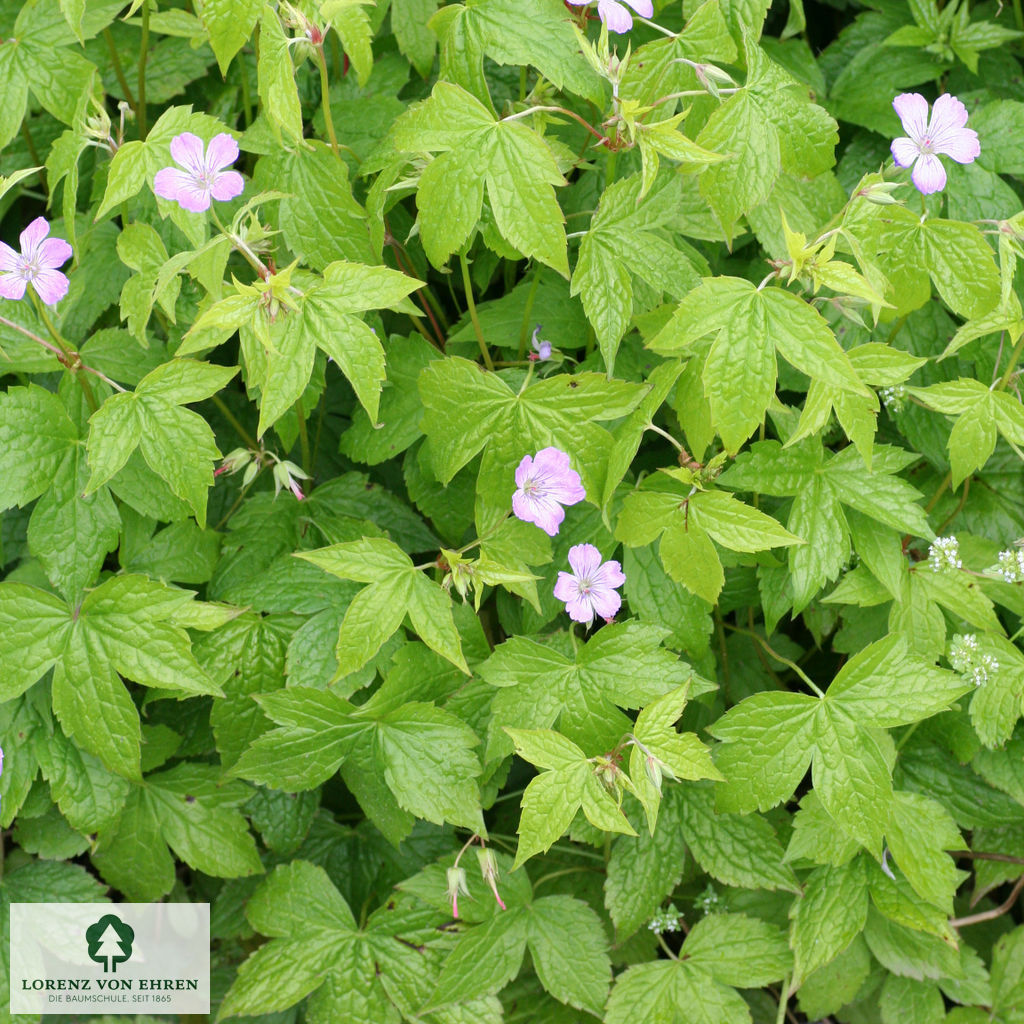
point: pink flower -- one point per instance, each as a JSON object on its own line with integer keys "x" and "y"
{"x": 589, "y": 589}
{"x": 36, "y": 265}
{"x": 616, "y": 17}
{"x": 204, "y": 176}
{"x": 944, "y": 133}
{"x": 545, "y": 483}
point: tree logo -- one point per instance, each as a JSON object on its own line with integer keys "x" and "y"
{"x": 110, "y": 942}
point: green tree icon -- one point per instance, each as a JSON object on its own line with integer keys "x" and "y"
{"x": 110, "y": 942}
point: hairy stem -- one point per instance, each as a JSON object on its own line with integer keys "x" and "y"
{"x": 468, "y": 286}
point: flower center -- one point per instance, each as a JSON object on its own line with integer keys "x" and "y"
{"x": 586, "y": 585}
{"x": 29, "y": 267}
{"x": 926, "y": 144}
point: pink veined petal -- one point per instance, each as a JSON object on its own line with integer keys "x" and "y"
{"x": 221, "y": 153}
{"x": 187, "y": 150}
{"x": 606, "y": 602}
{"x": 584, "y": 559}
{"x": 12, "y": 286}
{"x": 51, "y": 286}
{"x": 8, "y": 257}
{"x": 912, "y": 109}
{"x": 959, "y": 143}
{"x": 580, "y": 608}
{"x": 33, "y": 235}
{"x": 524, "y": 470}
{"x": 642, "y": 7}
{"x": 566, "y": 587}
{"x": 947, "y": 113}
{"x": 169, "y": 181}
{"x": 905, "y": 151}
{"x": 568, "y": 490}
{"x": 193, "y": 197}
{"x": 543, "y": 511}
{"x": 928, "y": 174}
{"x": 615, "y": 16}
{"x": 609, "y": 575}
{"x": 227, "y": 185}
{"x": 54, "y": 253}
{"x": 551, "y": 461}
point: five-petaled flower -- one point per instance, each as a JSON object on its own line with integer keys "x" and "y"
{"x": 546, "y": 482}
{"x": 35, "y": 265}
{"x": 615, "y": 16}
{"x": 945, "y": 132}
{"x": 204, "y": 177}
{"x": 589, "y": 589}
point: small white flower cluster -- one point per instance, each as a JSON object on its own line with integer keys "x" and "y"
{"x": 1011, "y": 565}
{"x": 665, "y": 920}
{"x": 945, "y": 554}
{"x": 708, "y": 901}
{"x": 894, "y": 398}
{"x": 966, "y": 658}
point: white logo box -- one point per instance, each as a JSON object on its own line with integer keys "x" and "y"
{"x": 130, "y": 958}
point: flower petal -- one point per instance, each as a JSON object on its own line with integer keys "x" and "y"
{"x": 580, "y": 609}
{"x": 12, "y": 286}
{"x": 605, "y": 601}
{"x": 193, "y": 197}
{"x": 31, "y": 237}
{"x": 51, "y": 286}
{"x": 221, "y": 153}
{"x": 543, "y": 511}
{"x": 566, "y": 587}
{"x": 609, "y": 575}
{"x": 187, "y": 150}
{"x": 912, "y": 109}
{"x": 948, "y": 113}
{"x": 54, "y": 253}
{"x": 905, "y": 151}
{"x": 9, "y": 259}
{"x": 227, "y": 185}
{"x": 169, "y": 181}
{"x": 642, "y": 7}
{"x": 615, "y": 16}
{"x": 961, "y": 144}
{"x": 524, "y": 470}
{"x": 584, "y": 559}
{"x": 928, "y": 174}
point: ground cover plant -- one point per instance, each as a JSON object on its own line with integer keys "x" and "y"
{"x": 520, "y": 505}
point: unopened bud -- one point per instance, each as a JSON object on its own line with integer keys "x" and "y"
{"x": 234, "y": 461}
{"x": 489, "y": 869}
{"x": 881, "y": 193}
{"x": 456, "y": 884}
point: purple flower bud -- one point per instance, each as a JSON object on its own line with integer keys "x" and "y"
{"x": 540, "y": 347}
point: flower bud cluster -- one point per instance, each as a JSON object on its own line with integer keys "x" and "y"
{"x": 1011, "y": 565}
{"x": 966, "y": 658}
{"x": 944, "y": 554}
{"x": 666, "y": 919}
{"x": 708, "y": 902}
{"x": 894, "y": 398}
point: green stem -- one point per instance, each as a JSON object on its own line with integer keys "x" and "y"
{"x": 244, "y": 434}
{"x": 939, "y": 492}
{"x": 140, "y": 110}
{"x": 325, "y": 99}
{"x": 72, "y": 362}
{"x": 115, "y": 62}
{"x": 524, "y": 330}
{"x": 303, "y": 438}
{"x": 792, "y": 665}
{"x": 246, "y": 98}
{"x": 609, "y": 167}
{"x": 1012, "y": 364}
{"x": 665, "y": 946}
{"x": 783, "y": 1000}
{"x": 468, "y": 287}
{"x": 665, "y": 434}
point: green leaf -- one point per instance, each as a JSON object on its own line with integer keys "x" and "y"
{"x": 511, "y": 161}
{"x": 920, "y": 831}
{"x": 622, "y": 241}
{"x": 738, "y": 950}
{"x": 396, "y": 589}
{"x": 736, "y": 849}
{"x": 229, "y": 24}
{"x": 276, "y": 78}
{"x": 673, "y": 992}
{"x": 176, "y": 443}
{"x": 827, "y": 917}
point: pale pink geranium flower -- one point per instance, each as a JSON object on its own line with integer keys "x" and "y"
{"x": 35, "y": 265}
{"x": 616, "y": 17}
{"x": 546, "y": 482}
{"x": 589, "y": 589}
{"x": 945, "y": 132}
{"x": 204, "y": 177}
